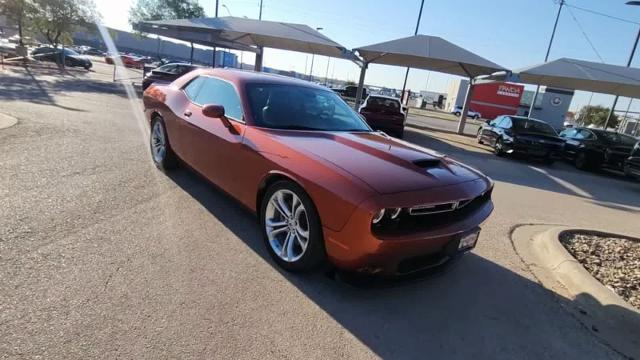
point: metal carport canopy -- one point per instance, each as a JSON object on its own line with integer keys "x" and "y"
{"x": 579, "y": 75}
{"x": 429, "y": 53}
{"x": 249, "y": 33}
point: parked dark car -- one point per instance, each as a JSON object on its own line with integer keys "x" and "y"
{"x": 595, "y": 148}
{"x": 384, "y": 113}
{"x": 93, "y": 51}
{"x": 71, "y": 58}
{"x": 167, "y": 73}
{"x": 521, "y": 135}
{"x": 632, "y": 164}
{"x": 351, "y": 91}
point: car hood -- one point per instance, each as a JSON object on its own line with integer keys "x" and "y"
{"x": 386, "y": 164}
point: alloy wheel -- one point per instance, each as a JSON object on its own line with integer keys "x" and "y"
{"x": 287, "y": 225}
{"x": 158, "y": 142}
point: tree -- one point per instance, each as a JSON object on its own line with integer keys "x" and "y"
{"x": 149, "y": 10}
{"x": 597, "y": 115}
{"x": 18, "y": 12}
{"x": 56, "y": 20}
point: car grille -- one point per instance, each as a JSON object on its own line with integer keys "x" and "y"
{"x": 429, "y": 217}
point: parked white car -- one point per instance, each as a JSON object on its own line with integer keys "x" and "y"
{"x": 472, "y": 114}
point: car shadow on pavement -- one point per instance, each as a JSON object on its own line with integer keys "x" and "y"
{"x": 477, "y": 308}
{"x": 40, "y": 86}
{"x": 606, "y": 188}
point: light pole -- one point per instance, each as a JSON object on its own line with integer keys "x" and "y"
{"x": 546, "y": 57}
{"x": 406, "y": 74}
{"x": 633, "y": 51}
{"x": 213, "y": 61}
{"x": 312, "y": 58}
{"x": 227, "y": 8}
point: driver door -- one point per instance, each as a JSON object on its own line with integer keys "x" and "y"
{"x": 214, "y": 143}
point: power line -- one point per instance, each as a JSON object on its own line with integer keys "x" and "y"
{"x": 601, "y": 14}
{"x": 585, "y": 35}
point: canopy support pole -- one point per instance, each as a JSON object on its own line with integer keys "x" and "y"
{"x": 467, "y": 101}
{"x": 363, "y": 72}
{"x": 258, "y": 63}
{"x": 465, "y": 107}
{"x": 191, "y": 56}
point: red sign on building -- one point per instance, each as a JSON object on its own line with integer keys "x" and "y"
{"x": 496, "y": 98}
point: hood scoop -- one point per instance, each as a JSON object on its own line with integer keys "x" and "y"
{"x": 427, "y": 163}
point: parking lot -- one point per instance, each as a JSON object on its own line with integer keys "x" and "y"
{"x": 103, "y": 256}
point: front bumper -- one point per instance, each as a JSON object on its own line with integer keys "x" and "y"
{"x": 356, "y": 248}
{"x": 534, "y": 149}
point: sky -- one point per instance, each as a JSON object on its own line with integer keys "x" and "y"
{"x": 512, "y": 33}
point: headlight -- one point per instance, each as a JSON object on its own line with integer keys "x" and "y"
{"x": 378, "y": 216}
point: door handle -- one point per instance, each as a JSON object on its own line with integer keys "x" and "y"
{"x": 187, "y": 113}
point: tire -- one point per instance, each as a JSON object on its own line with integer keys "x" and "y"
{"x": 479, "y": 136}
{"x": 548, "y": 161}
{"x": 498, "y": 148}
{"x": 161, "y": 152}
{"x": 301, "y": 256}
{"x": 457, "y": 113}
{"x": 400, "y": 134}
{"x": 581, "y": 161}
{"x": 476, "y": 117}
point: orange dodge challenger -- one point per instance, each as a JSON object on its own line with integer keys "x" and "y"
{"x": 325, "y": 186}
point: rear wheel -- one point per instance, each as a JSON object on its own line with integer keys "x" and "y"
{"x": 163, "y": 156}
{"x": 457, "y": 113}
{"x": 291, "y": 227}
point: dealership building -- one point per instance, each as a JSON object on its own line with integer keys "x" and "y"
{"x": 492, "y": 99}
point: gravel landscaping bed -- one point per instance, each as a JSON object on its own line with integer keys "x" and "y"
{"x": 614, "y": 261}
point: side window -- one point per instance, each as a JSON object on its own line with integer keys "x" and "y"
{"x": 506, "y": 123}
{"x": 585, "y": 134}
{"x": 193, "y": 88}
{"x": 219, "y": 92}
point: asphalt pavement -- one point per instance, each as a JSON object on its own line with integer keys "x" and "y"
{"x": 102, "y": 256}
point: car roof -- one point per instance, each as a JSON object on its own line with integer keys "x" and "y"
{"x": 385, "y": 97}
{"x": 524, "y": 118}
{"x": 248, "y": 76}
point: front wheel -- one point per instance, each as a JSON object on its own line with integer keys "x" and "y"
{"x": 498, "y": 148}
{"x": 291, "y": 228}
{"x": 581, "y": 162}
{"x": 479, "y": 136}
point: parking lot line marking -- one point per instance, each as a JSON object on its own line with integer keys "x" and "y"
{"x": 563, "y": 183}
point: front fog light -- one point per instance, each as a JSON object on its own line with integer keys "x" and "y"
{"x": 378, "y": 216}
{"x": 394, "y": 213}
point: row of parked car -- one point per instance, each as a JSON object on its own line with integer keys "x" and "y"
{"x": 586, "y": 148}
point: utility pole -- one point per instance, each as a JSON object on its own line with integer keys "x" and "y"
{"x": 213, "y": 61}
{"x": 260, "y": 14}
{"x": 326, "y": 74}
{"x": 633, "y": 51}
{"x": 546, "y": 57}
{"x": 406, "y": 74}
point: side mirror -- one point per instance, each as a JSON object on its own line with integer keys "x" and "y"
{"x": 217, "y": 112}
{"x": 488, "y": 122}
{"x": 213, "y": 111}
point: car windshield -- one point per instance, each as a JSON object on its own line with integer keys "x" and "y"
{"x": 300, "y": 107}
{"x": 533, "y": 126}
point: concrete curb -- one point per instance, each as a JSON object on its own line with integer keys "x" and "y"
{"x": 600, "y": 309}
{"x": 7, "y": 121}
